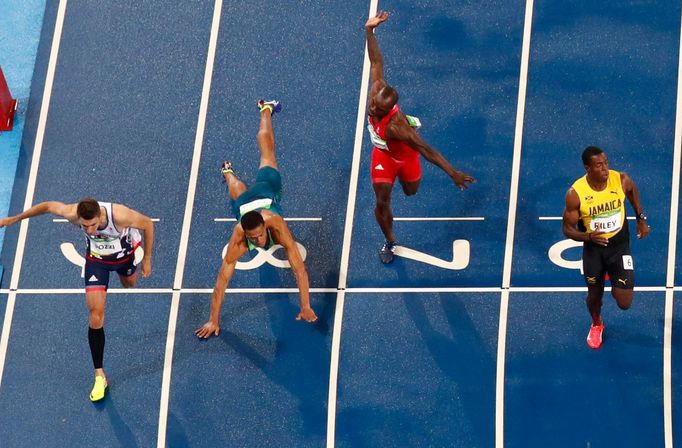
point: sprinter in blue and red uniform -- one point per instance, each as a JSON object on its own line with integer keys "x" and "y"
{"x": 112, "y": 235}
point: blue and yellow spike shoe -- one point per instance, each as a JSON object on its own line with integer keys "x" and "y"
{"x": 99, "y": 389}
{"x": 274, "y": 106}
{"x": 226, "y": 167}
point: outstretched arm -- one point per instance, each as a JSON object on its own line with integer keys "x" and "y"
{"x": 632, "y": 194}
{"x": 235, "y": 249}
{"x": 67, "y": 211}
{"x": 375, "y": 58}
{"x": 399, "y": 129}
{"x": 126, "y": 217}
{"x": 286, "y": 239}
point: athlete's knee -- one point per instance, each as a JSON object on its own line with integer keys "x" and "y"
{"x": 96, "y": 318}
{"x": 266, "y": 139}
{"x": 130, "y": 281}
{"x": 383, "y": 206}
{"x": 411, "y": 188}
{"x": 623, "y": 297}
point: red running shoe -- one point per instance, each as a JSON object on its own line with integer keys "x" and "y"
{"x": 594, "y": 337}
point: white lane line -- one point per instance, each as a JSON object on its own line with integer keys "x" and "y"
{"x": 462, "y": 290}
{"x": 454, "y": 218}
{"x": 286, "y": 219}
{"x": 259, "y": 290}
{"x": 345, "y": 249}
{"x": 511, "y": 225}
{"x": 499, "y": 383}
{"x": 672, "y": 253}
{"x": 667, "y": 368}
{"x": 518, "y": 141}
{"x": 32, "y": 178}
{"x": 184, "y": 237}
{"x": 492, "y": 289}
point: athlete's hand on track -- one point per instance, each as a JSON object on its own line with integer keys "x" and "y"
{"x": 643, "y": 229}
{"x": 462, "y": 180}
{"x": 374, "y": 22}
{"x": 4, "y": 222}
{"x": 307, "y": 314}
{"x": 146, "y": 267}
{"x": 597, "y": 237}
{"x": 209, "y": 329}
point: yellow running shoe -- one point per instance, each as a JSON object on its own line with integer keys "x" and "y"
{"x": 99, "y": 389}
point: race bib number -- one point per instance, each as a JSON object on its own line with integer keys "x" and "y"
{"x": 102, "y": 248}
{"x": 607, "y": 224}
{"x": 376, "y": 140}
{"x": 627, "y": 262}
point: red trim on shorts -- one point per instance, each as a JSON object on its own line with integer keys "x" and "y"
{"x": 121, "y": 261}
{"x": 383, "y": 180}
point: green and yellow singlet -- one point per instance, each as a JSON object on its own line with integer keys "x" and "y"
{"x": 602, "y": 210}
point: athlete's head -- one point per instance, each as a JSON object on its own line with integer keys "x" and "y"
{"x": 383, "y": 101}
{"x": 596, "y": 164}
{"x": 254, "y": 228}
{"x": 89, "y": 213}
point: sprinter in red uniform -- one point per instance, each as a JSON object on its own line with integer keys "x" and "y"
{"x": 397, "y": 145}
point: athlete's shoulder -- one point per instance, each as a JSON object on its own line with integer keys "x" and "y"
{"x": 270, "y": 216}
{"x": 121, "y": 214}
{"x": 238, "y": 237}
{"x": 572, "y": 198}
{"x": 68, "y": 211}
{"x": 274, "y": 222}
{"x": 579, "y": 182}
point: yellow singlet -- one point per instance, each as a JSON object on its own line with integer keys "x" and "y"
{"x": 602, "y": 210}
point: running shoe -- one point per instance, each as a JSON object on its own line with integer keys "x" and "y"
{"x": 594, "y": 337}
{"x": 99, "y": 389}
{"x": 226, "y": 167}
{"x": 386, "y": 252}
{"x": 274, "y": 106}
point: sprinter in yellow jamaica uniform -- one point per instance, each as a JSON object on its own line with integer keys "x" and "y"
{"x": 595, "y": 214}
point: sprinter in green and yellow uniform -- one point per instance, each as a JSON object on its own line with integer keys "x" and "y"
{"x": 595, "y": 214}
{"x": 259, "y": 223}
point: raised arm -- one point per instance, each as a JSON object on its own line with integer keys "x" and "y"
{"x": 126, "y": 217}
{"x": 67, "y": 211}
{"x": 632, "y": 194}
{"x": 399, "y": 129}
{"x": 235, "y": 249}
{"x": 285, "y": 238}
{"x": 375, "y": 58}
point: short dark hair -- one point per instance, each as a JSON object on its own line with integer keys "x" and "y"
{"x": 88, "y": 208}
{"x": 390, "y": 94}
{"x": 251, "y": 220}
{"x": 590, "y": 152}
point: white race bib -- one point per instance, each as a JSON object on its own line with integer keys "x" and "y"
{"x": 607, "y": 224}
{"x": 105, "y": 247}
{"x": 376, "y": 140}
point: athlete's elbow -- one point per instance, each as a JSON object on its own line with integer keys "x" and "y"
{"x": 301, "y": 274}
